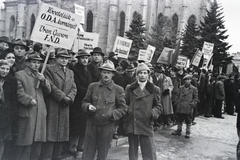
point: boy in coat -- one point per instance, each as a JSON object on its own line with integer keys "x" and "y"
{"x": 32, "y": 110}
{"x": 144, "y": 102}
{"x": 186, "y": 100}
{"x": 62, "y": 95}
{"x": 104, "y": 103}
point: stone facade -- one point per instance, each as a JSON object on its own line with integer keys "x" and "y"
{"x": 18, "y": 16}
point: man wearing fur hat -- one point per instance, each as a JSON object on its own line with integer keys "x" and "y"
{"x": 104, "y": 103}
{"x": 186, "y": 100}
{"x": 58, "y": 103}
{"x": 32, "y": 109}
{"x": 144, "y": 102}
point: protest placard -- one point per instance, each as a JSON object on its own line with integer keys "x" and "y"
{"x": 207, "y": 48}
{"x": 142, "y": 55}
{"x": 166, "y": 56}
{"x": 150, "y": 53}
{"x": 86, "y": 41}
{"x": 79, "y": 10}
{"x": 181, "y": 61}
{"x": 206, "y": 60}
{"x": 55, "y": 26}
{"x": 122, "y": 47}
{"x": 197, "y": 58}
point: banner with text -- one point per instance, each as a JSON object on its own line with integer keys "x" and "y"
{"x": 182, "y": 61}
{"x": 142, "y": 55}
{"x": 79, "y": 10}
{"x": 122, "y": 47}
{"x": 166, "y": 56}
{"x": 86, "y": 41}
{"x": 207, "y": 48}
{"x": 197, "y": 58}
{"x": 55, "y": 26}
{"x": 150, "y": 53}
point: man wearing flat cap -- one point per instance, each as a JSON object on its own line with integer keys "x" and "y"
{"x": 78, "y": 117}
{"x": 185, "y": 102}
{"x": 104, "y": 103}
{"x": 144, "y": 101}
{"x": 97, "y": 57}
{"x": 32, "y": 109}
{"x": 58, "y": 102}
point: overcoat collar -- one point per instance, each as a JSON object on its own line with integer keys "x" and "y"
{"x": 136, "y": 89}
{"x": 187, "y": 91}
{"x": 29, "y": 72}
{"x": 109, "y": 86}
{"x": 59, "y": 71}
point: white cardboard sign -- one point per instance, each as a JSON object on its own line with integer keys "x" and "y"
{"x": 55, "y": 26}
{"x": 86, "y": 41}
{"x": 79, "y": 10}
{"x": 122, "y": 47}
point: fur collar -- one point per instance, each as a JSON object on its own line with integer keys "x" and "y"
{"x": 149, "y": 86}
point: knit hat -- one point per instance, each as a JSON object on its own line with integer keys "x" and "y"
{"x": 142, "y": 67}
{"x": 108, "y": 65}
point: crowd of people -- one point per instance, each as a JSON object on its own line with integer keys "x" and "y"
{"x": 82, "y": 101}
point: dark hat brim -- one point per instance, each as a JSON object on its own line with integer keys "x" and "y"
{"x": 97, "y": 52}
{"x": 15, "y": 44}
{"x": 38, "y": 59}
{"x": 82, "y": 55}
{"x": 107, "y": 69}
{"x": 63, "y": 56}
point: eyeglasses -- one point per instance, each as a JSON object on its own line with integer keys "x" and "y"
{"x": 19, "y": 47}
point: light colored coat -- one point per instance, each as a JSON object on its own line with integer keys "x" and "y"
{"x": 31, "y": 119}
{"x": 144, "y": 108}
{"x": 62, "y": 84}
{"x": 166, "y": 100}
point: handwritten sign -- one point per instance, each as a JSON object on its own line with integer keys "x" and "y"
{"x": 86, "y": 41}
{"x": 197, "y": 58}
{"x": 207, "y": 48}
{"x": 79, "y": 10}
{"x": 150, "y": 53}
{"x": 182, "y": 61}
{"x": 55, "y": 26}
{"x": 142, "y": 54}
{"x": 122, "y": 47}
{"x": 166, "y": 56}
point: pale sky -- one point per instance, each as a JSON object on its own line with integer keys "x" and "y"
{"x": 231, "y": 12}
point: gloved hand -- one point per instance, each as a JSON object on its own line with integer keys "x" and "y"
{"x": 165, "y": 92}
{"x": 66, "y": 101}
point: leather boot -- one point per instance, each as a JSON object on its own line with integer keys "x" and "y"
{"x": 179, "y": 130}
{"x": 188, "y": 131}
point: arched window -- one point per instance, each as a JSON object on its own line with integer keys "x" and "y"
{"x": 175, "y": 23}
{"x": 192, "y": 19}
{"x": 122, "y": 24}
{"x": 12, "y": 24}
{"x": 89, "y": 22}
{"x": 32, "y": 23}
{"x": 160, "y": 16}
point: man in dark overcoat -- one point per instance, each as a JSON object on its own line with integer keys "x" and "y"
{"x": 78, "y": 117}
{"x": 187, "y": 99}
{"x": 62, "y": 95}
{"x": 97, "y": 58}
{"x": 144, "y": 102}
{"x": 104, "y": 103}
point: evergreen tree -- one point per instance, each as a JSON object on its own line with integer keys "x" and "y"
{"x": 136, "y": 33}
{"x": 213, "y": 30}
{"x": 163, "y": 35}
{"x": 189, "y": 39}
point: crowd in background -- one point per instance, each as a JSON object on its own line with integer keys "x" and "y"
{"x": 41, "y": 114}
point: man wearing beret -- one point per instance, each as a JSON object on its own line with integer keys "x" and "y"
{"x": 78, "y": 118}
{"x": 185, "y": 102}
{"x": 61, "y": 97}
{"x": 144, "y": 102}
{"x": 104, "y": 103}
